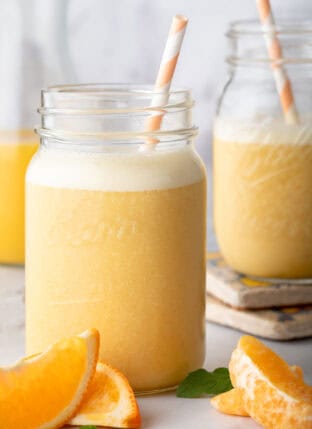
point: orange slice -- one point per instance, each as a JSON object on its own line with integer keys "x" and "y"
{"x": 272, "y": 393}
{"x": 110, "y": 401}
{"x": 231, "y": 402}
{"x": 45, "y": 390}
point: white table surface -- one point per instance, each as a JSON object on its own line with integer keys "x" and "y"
{"x": 163, "y": 411}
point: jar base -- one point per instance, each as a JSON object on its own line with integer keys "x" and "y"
{"x": 12, "y": 264}
{"x": 276, "y": 280}
{"x": 155, "y": 391}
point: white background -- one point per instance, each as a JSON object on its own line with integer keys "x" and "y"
{"x": 122, "y": 41}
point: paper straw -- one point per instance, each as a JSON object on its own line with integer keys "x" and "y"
{"x": 282, "y": 81}
{"x": 166, "y": 71}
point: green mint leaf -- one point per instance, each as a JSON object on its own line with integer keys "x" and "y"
{"x": 202, "y": 382}
{"x": 196, "y": 384}
{"x": 223, "y": 381}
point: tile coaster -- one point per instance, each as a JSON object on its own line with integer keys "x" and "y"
{"x": 240, "y": 291}
{"x": 276, "y": 324}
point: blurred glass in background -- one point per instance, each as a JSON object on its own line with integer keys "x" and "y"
{"x": 33, "y": 55}
{"x": 263, "y": 153}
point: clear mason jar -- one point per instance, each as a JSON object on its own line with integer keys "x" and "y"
{"x": 115, "y": 231}
{"x": 263, "y": 165}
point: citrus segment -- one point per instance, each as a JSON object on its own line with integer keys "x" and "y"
{"x": 110, "y": 401}
{"x": 297, "y": 370}
{"x": 231, "y": 402}
{"x": 44, "y": 391}
{"x": 273, "y": 394}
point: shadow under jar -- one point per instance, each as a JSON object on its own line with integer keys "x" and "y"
{"x": 116, "y": 231}
{"x": 263, "y": 165}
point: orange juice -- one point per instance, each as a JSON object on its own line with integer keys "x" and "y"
{"x": 117, "y": 242}
{"x": 16, "y": 150}
{"x": 263, "y": 197}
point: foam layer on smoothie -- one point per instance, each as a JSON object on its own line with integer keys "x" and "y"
{"x": 264, "y": 131}
{"x": 135, "y": 171}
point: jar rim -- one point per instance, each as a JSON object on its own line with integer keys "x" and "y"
{"x": 248, "y": 39}
{"x": 91, "y": 98}
{"x": 253, "y": 27}
{"x": 114, "y": 111}
{"x": 128, "y": 89}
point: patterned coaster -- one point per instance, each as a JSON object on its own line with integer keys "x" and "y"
{"x": 276, "y": 324}
{"x": 241, "y": 291}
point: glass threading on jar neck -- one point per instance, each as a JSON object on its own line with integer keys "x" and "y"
{"x": 248, "y": 48}
{"x": 104, "y": 114}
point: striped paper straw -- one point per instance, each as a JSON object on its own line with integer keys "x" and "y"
{"x": 282, "y": 81}
{"x": 166, "y": 71}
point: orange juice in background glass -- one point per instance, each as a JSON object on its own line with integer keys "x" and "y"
{"x": 116, "y": 232}
{"x": 16, "y": 150}
{"x": 33, "y": 54}
{"x": 263, "y": 161}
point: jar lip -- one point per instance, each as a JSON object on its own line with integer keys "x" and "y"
{"x": 114, "y": 111}
{"x": 252, "y": 27}
{"x": 125, "y": 89}
{"x": 111, "y": 98}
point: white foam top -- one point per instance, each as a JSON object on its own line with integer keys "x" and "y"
{"x": 132, "y": 171}
{"x": 263, "y": 130}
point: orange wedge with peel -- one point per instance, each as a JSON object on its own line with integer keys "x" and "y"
{"x": 45, "y": 391}
{"x": 110, "y": 401}
{"x": 272, "y": 393}
{"x": 231, "y": 402}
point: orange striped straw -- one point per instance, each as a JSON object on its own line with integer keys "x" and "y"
{"x": 282, "y": 81}
{"x": 166, "y": 71}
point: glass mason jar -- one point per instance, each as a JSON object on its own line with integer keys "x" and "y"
{"x": 263, "y": 165}
{"x": 33, "y": 54}
{"x": 115, "y": 231}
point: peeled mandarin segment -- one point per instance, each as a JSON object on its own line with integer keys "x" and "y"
{"x": 230, "y": 402}
{"x": 297, "y": 370}
{"x": 44, "y": 391}
{"x": 109, "y": 402}
{"x": 273, "y": 394}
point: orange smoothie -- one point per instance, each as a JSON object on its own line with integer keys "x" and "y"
{"x": 119, "y": 244}
{"x": 16, "y": 150}
{"x": 263, "y": 197}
